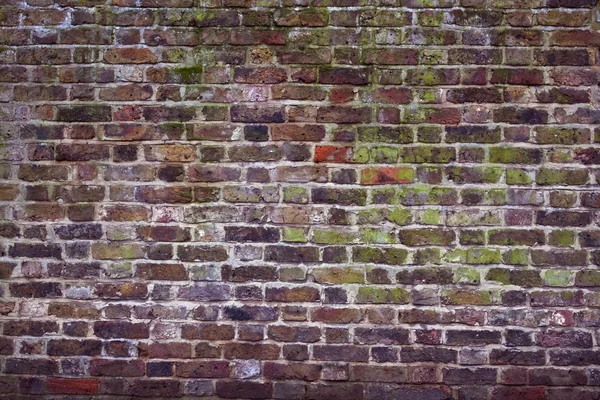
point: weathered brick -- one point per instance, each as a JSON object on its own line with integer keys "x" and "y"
{"x": 121, "y": 329}
{"x": 121, "y": 368}
{"x": 241, "y": 199}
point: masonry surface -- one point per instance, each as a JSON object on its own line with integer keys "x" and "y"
{"x": 299, "y": 199}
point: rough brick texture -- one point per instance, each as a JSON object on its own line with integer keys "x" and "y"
{"x": 299, "y": 199}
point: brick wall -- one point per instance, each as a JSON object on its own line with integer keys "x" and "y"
{"x": 299, "y": 199}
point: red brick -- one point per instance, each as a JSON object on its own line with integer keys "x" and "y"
{"x": 72, "y": 386}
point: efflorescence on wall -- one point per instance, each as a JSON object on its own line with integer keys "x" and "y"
{"x": 299, "y": 199}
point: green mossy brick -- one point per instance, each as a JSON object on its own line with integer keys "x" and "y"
{"x": 295, "y": 194}
{"x": 483, "y": 256}
{"x": 384, "y": 155}
{"x": 588, "y": 278}
{"x": 425, "y": 195}
{"x": 186, "y": 75}
{"x": 373, "y": 235}
{"x": 509, "y": 237}
{"x": 515, "y": 155}
{"x": 500, "y": 275}
{"x": 338, "y": 275}
{"x": 431, "y": 18}
{"x": 456, "y": 256}
{"x": 491, "y": 174}
{"x": 385, "y": 134}
{"x": 460, "y": 297}
{"x": 119, "y": 270}
{"x": 472, "y": 237}
{"x": 432, "y": 56}
{"x": 373, "y": 255}
{"x": 361, "y": 155}
{"x": 559, "y": 278}
{"x": 371, "y": 216}
{"x": 387, "y": 175}
{"x": 516, "y": 257}
{"x": 427, "y": 256}
{"x": 430, "y": 217}
{"x": 562, "y": 156}
{"x": 463, "y": 175}
{"x": 473, "y": 217}
{"x": 429, "y": 134}
{"x": 296, "y": 235}
{"x": 466, "y": 276}
{"x": 567, "y": 136}
{"x": 400, "y": 216}
{"x": 428, "y": 154}
{"x": 175, "y": 55}
{"x": 429, "y": 96}
{"x": 427, "y": 77}
{"x": 334, "y": 236}
{"x": 549, "y": 177}
{"x": 515, "y": 176}
{"x": 561, "y": 238}
{"x": 378, "y": 295}
{"x": 520, "y": 277}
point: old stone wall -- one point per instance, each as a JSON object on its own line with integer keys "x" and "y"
{"x": 299, "y": 199}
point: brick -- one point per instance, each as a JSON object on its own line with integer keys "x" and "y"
{"x": 389, "y": 336}
{"x": 556, "y": 338}
{"x": 72, "y": 386}
{"x": 516, "y": 115}
{"x": 279, "y": 371}
{"x": 259, "y": 75}
{"x": 95, "y": 113}
{"x": 122, "y": 368}
{"x": 29, "y": 328}
{"x": 340, "y": 353}
{"x": 292, "y": 254}
{"x": 203, "y": 369}
{"x": 563, "y": 218}
{"x": 235, "y": 389}
{"x": 517, "y": 357}
{"x": 517, "y": 76}
{"x": 555, "y": 377}
{"x": 289, "y": 132}
{"x": 388, "y": 175}
{"x": 476, "y": 338}
{"x": 130, "y": 56}
{"x": 255, "y": 114}
{"x": 74, "y": 347}
{"x": 476, "y": 376}
{"x": 35, "y": 250}
{"x": 121, "y": 329}
{"x": 31, "y": 366}
{"x": 126, "y": 93}
{"x": 169, "y": 272}
{"x": 156, "y": 388}
{"x": 389, "y": 392}
{"x": 344, "y": 115}
{"x": 208, "y": 332}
